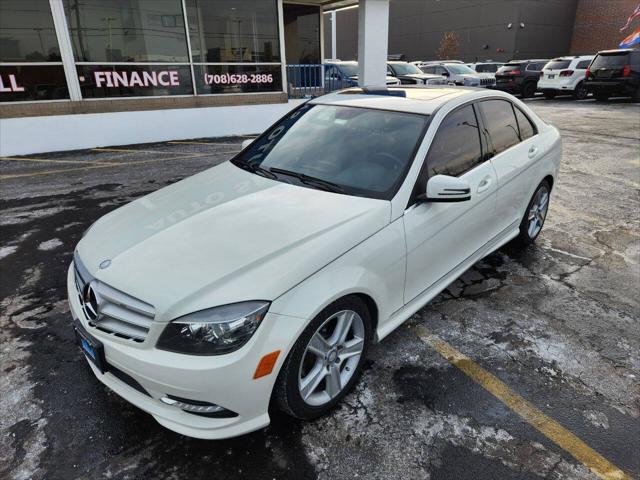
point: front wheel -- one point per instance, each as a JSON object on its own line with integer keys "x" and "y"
{"x": 536, "y": 213}
{"x": 580, "y": 92}
{"x": 326, "y": 360}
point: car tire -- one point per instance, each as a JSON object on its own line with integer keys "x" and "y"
{"x": 549, "y": 94}
{"x": 580, "y": 92}
{"x": 601, "y": 96}
{"x": 539, "y": 202}
{"x": 528, "y": 90}
{"x": 294, "y": 392}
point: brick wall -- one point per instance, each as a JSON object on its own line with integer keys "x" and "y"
{"x": 598, "y": 22}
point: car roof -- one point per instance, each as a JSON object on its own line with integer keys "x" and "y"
{"x": 424, "y": 100}
{"x": 617, "y": 50}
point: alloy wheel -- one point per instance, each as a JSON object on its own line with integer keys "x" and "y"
{"x": 331, "y": 357}
{"x": 538, "y": 211}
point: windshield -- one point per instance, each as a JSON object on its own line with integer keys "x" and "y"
{"x": 405, "y": 69}
{"x": 459, "y": 69}
{"x": 362, "y": 151}
{"x": 615, "y": 60}
{"x": 349, "y": 69}
{"x": 557, "y": 64}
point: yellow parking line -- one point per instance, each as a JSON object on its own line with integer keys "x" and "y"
{"x": 536, "y": 418}
{"x": 95, "y": 165}
{"x": 44, "y": 160}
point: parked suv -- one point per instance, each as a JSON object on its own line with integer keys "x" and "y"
{"x": 565, "y": 75}
{"x": 520, "y": 77}
{"x": 340, "y": 74}
{"x": 459, "y": 74}
{"x": 614, "y": 72}
{"x": 409, "y": 74}
{"x": 485, "y": 67}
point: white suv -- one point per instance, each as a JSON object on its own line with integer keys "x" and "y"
{"x": 269, "y": 276}
{"x": 565, "y": 75}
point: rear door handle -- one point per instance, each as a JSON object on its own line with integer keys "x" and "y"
{"x": 485, "y": 183}
{"x": 533, "y": 151}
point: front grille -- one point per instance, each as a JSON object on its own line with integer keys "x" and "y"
{"x": 115, "y": 313}
{"x": 487, "y": 81}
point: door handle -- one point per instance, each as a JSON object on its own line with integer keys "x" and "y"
{"x": 485, "y": 183}
{"x": 533, "y": 151}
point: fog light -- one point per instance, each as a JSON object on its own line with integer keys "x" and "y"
{"x": 197, "y": 407}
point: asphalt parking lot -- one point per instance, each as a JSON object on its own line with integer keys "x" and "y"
{"x": 527, "y": 367}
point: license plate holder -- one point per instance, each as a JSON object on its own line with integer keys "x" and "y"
{"x": 550, "y": 77}
{"x": 92, "y": 348}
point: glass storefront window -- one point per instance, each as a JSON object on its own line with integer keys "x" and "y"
{"x": 238, "y": 78}
{"x": 106, "y": 81}
{"x": 127, "y": 30}
{"x": 19, "y": 83}
{"x": 27, "y": 33}
{"x": 233, "y": 31}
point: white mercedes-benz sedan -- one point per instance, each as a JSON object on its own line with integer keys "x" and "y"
{"x": 263, "y": 280}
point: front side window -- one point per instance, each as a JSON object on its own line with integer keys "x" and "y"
{"x": 456, "y": 147}
{"x": 500, "y": 122}
{"x": 359, "y": 151}
{"x": 428, "y": 69}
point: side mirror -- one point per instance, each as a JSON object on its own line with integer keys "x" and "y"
{"x": 247, "y": 142}
{"x": 443, "y": 188}
{"x": 445, "y": 74}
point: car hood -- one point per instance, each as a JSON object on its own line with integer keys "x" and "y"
{"x": 223, "y": 236}
{"x": 423, "y": 76}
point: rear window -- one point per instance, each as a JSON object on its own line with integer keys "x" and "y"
{"x": 611, "y": 60}
{"x": 557, "y": 64}
{"x": 510, "y": 67}
{"x": 487, "y": 67}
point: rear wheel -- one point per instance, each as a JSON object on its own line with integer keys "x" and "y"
{"x": 536, "y": 213}
{"x": 601, "y": 96}
{"x": 528, "y": 90}
{"x": 580, "y": 92}
{"x": 326, "y": 361}
{"x": 549, "y": 94}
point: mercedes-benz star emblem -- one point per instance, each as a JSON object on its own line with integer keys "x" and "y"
{"x": 90, "y": 303}
{"x": 104, "y": 264}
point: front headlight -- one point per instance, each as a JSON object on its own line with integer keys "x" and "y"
{"x": 214, "y": 331}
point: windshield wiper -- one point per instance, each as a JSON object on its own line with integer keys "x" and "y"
{"x": 257, "y": 169}
{"x": 309, "y": 180}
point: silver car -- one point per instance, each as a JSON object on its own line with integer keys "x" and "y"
{"x": 458, "y": 74}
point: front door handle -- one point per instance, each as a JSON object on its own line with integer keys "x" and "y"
{"x": 485, "y": 183}
{"x": 533, "y": 151}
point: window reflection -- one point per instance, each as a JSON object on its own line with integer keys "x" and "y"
{"x": 231, "y": 31}
{"x": 27, "y": 33}
{"x": 25, "y": 82}
{"x": 127, "y": 30}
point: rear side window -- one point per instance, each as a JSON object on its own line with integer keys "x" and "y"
{"x": 582, "y": 65}
{"x": 534, "y": 67}
{"x": 488, "y": 67}
{"x": 557, "y": 64}
{"x": 456, "y": 146}
{"x": 501, "y": 124}
{"x": 428, "y": 69}
{"x": 615, "y": 60}
{"x": 526, "y": 127}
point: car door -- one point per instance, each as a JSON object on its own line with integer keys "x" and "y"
{"x": 514, "y": 147}
{"x": 441, "y": 236}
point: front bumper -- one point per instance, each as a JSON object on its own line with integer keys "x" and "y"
{"x": 225, "y": 380}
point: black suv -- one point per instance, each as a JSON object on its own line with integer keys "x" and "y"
{"x": 520, "y": 77}
{"x": 614, "y": 73}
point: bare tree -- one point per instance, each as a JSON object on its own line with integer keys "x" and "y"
{"x": 449, "y": 46}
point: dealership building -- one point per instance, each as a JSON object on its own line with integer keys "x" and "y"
{"x": 86, "y": 73}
